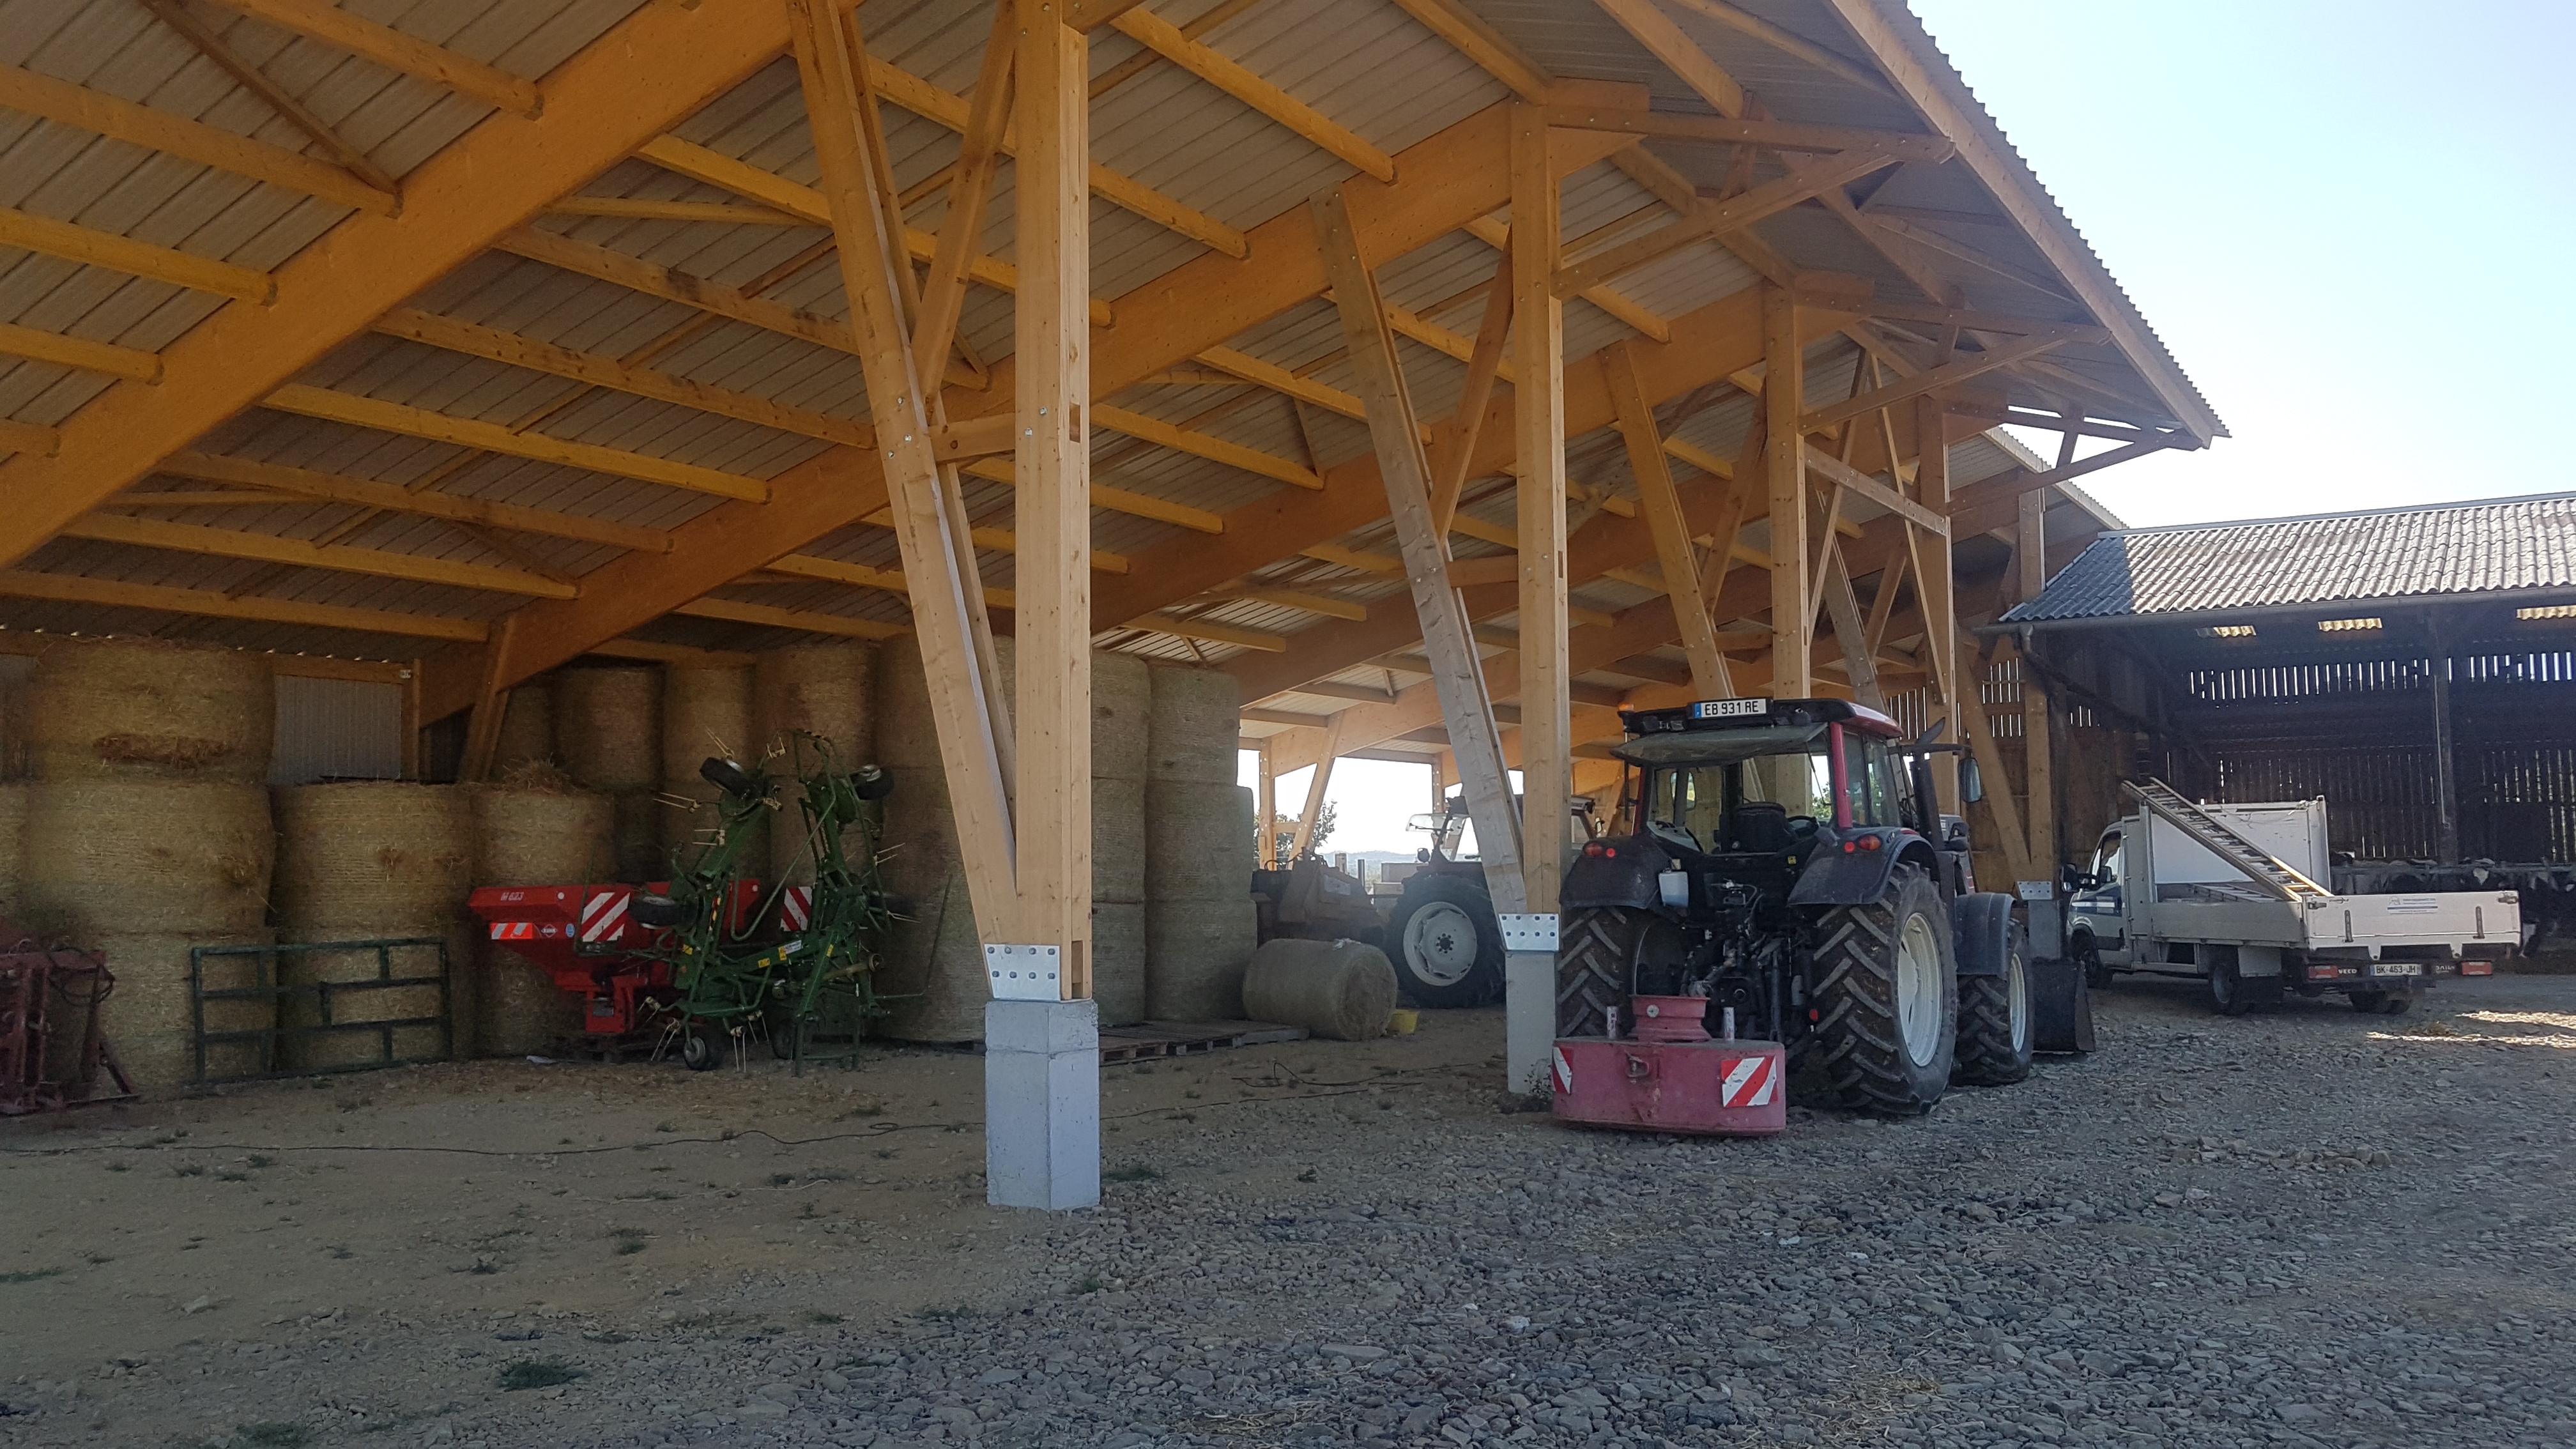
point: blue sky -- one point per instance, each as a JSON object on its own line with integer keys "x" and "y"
{"x": 2351, "y": 222}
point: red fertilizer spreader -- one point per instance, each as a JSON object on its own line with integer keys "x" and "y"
{"x": 588, "y": 939}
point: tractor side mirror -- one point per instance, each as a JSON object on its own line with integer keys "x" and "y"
{"x": 1972, "y": 781}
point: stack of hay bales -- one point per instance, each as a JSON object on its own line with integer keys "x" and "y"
{"x": 935, "y": 960}
{"x": 822, "y": 689}
{"x": 608, "y": 729}
{"x": 533, "y": 828}
{"x": 1200, "y": 921}
{"x": 13, "y": 839}
{"x": 705, "y": 711}
{"x": 147, "y": 832}
{"x": 375, "y": 860}
{"x": 527, "y": 727}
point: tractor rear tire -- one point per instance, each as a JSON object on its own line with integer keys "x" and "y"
{"x": 1995, "y": 1022}
{"x": 1887, "y": 1000}
{"x": 1595, "y": 958}
{"x": 1448, "y": 944}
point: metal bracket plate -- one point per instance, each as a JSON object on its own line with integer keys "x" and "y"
{"x": 1531, "y": 934}
{"x": 1025, "y": 973}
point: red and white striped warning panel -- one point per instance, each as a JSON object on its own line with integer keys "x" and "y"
{"x": 603, "y": 916}
{"x": 1749, "y": 1082}
{"x": 1564, "y": 1072}
{"x": 514, "y": 930}
{"x": 797, "y": 906}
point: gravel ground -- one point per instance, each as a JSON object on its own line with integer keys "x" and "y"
{"x": 2307, "y": 1228}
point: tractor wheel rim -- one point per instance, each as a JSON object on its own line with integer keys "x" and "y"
{"x": 1440, "y": 944}
{"x": 1918, "y": 990}
{"x": 2017, "y": 995}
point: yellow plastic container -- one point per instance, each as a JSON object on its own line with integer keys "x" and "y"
{"x": 1403, "y": 1021}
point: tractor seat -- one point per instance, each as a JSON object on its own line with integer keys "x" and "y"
{"x": 1761, "y": 827}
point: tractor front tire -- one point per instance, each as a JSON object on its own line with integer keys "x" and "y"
{"x": 1448, "y": 946}
{"x": 1995, "y": 1031}
{"x": 1887, "y": 1000}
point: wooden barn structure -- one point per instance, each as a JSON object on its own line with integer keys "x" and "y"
{"x": 2416, "y": 667}
{"x": 1466, "y": 365}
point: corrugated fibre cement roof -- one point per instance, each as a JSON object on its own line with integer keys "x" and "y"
{"x": 2441, "y": 550}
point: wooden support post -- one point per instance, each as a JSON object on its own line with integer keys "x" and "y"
{"x": 1785, "y": 469}
{"x": 1662, "y": 505}
{"x": 1052, "y": 461}
{"x": 1928, "y": 554}
{"x": 1459, "y": 679}
{"x": 2446, "y": 781}
{"x": 483, "y": 727}
{"x": 1538, "y": 419}
{"x": 1316, "y": 785}
{"x": 1842, "y": 601}
{"x": 1266, "y": 806}
{"x": 2039, "y": 768}
{"x": 873, "y": 274}
{"x": 411, "y": 722}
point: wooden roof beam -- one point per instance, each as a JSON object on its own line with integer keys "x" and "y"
{"x": 108, "y": 594}
{"x": 1229, "y": 76}
{"x": 663, "y": 63}
{"x": 290, "y": 484}
{"x": 131, "y": 363}
{"x": 339, "y": 557}
{"x": 90, "y": 247}
{"x": 364, "y": 412}
{"x": 118, "y": 119}
{"x": 346, "y": 30}
{"x": 734, "y": 611}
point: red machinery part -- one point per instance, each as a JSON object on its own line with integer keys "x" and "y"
{"x": 51, "y": 1053}
{"x": 1702, "y": 1088}
{"x": 582, "y": 935}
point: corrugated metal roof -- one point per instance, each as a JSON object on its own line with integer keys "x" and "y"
{"x": 2507, "y": 546}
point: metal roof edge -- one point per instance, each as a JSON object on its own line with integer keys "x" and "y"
{"x": 2553, "y": 593}
{"x": 2221, "y": 523}
{"x": 1906, "y": 52}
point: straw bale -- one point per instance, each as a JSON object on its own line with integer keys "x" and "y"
{"x": 608, "y": 726}
{"x": 151, "y": 709}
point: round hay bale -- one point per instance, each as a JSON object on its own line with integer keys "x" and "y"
{"x": 1118, "y": 962}
{"x": 608, "y": 726}
{"x": 1198, "y": 841}
{"x": 520, "y": 1009}
{"x": 705, "y": 711}
{"x": 823, "y": 689}
{"x": 1195, "y": 956}
{"x": 1196, "y": 725}
{"x": 150, "y": 709}
{"x": 931, "y": 975}
{"x": 148, "y": 1016}
{"x": 1117, "y": 824}
{"x": 527, "y": 727}
{"x": 13, "y": 837}
{"x": 374, "y": 861}
{"x": 536, "y": 830}
{"x": 638, "y": 820}
{"x": 1122, "y": 708}
{"x": 106, "y": 856}
{"x": 1341, "y": 990}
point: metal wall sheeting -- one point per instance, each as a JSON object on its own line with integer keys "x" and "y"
{"x": 337, "y": 729}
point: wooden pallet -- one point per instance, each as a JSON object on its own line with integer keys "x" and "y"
{"x": 1151, "y": 1039}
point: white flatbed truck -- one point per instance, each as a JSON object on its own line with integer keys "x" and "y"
{"x": 2229, "y": 893}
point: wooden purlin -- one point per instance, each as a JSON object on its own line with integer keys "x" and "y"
{"x": 1450, "y": 178}
{"x": 1459, "y": 683}
{"x": 662, "y": 64}
{"x": 1052, "y": 341}
{"x": 825, "y": 41}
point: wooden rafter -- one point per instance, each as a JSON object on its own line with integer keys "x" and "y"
{"x": 1709, "y": 218}
{"x": 352, "y": 158}
{"x": 103, "y": 593}
{"x": 1656, "y": 31}
{"x": 663, "y": 63}
{"x": 1230, "y": 76}
{"x": 123, "y": 120}
{"x": 91, "y": 247}
{"x": 268, "y": 548}
{"x": 346, "y": 30}
{"x": 362, "y": 412}
{"x": 280, "y": 484}
{"x": 130, "y": 363}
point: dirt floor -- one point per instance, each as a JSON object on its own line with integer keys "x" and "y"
{"x": 2310, "y": 1227}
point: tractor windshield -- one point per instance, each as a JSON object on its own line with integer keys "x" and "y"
{"x": 1705, "y": 805}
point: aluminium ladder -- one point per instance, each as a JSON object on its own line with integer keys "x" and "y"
{"x": 2214, "y": 835}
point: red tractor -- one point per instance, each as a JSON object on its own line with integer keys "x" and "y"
{"x": 1787, "y": 890}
